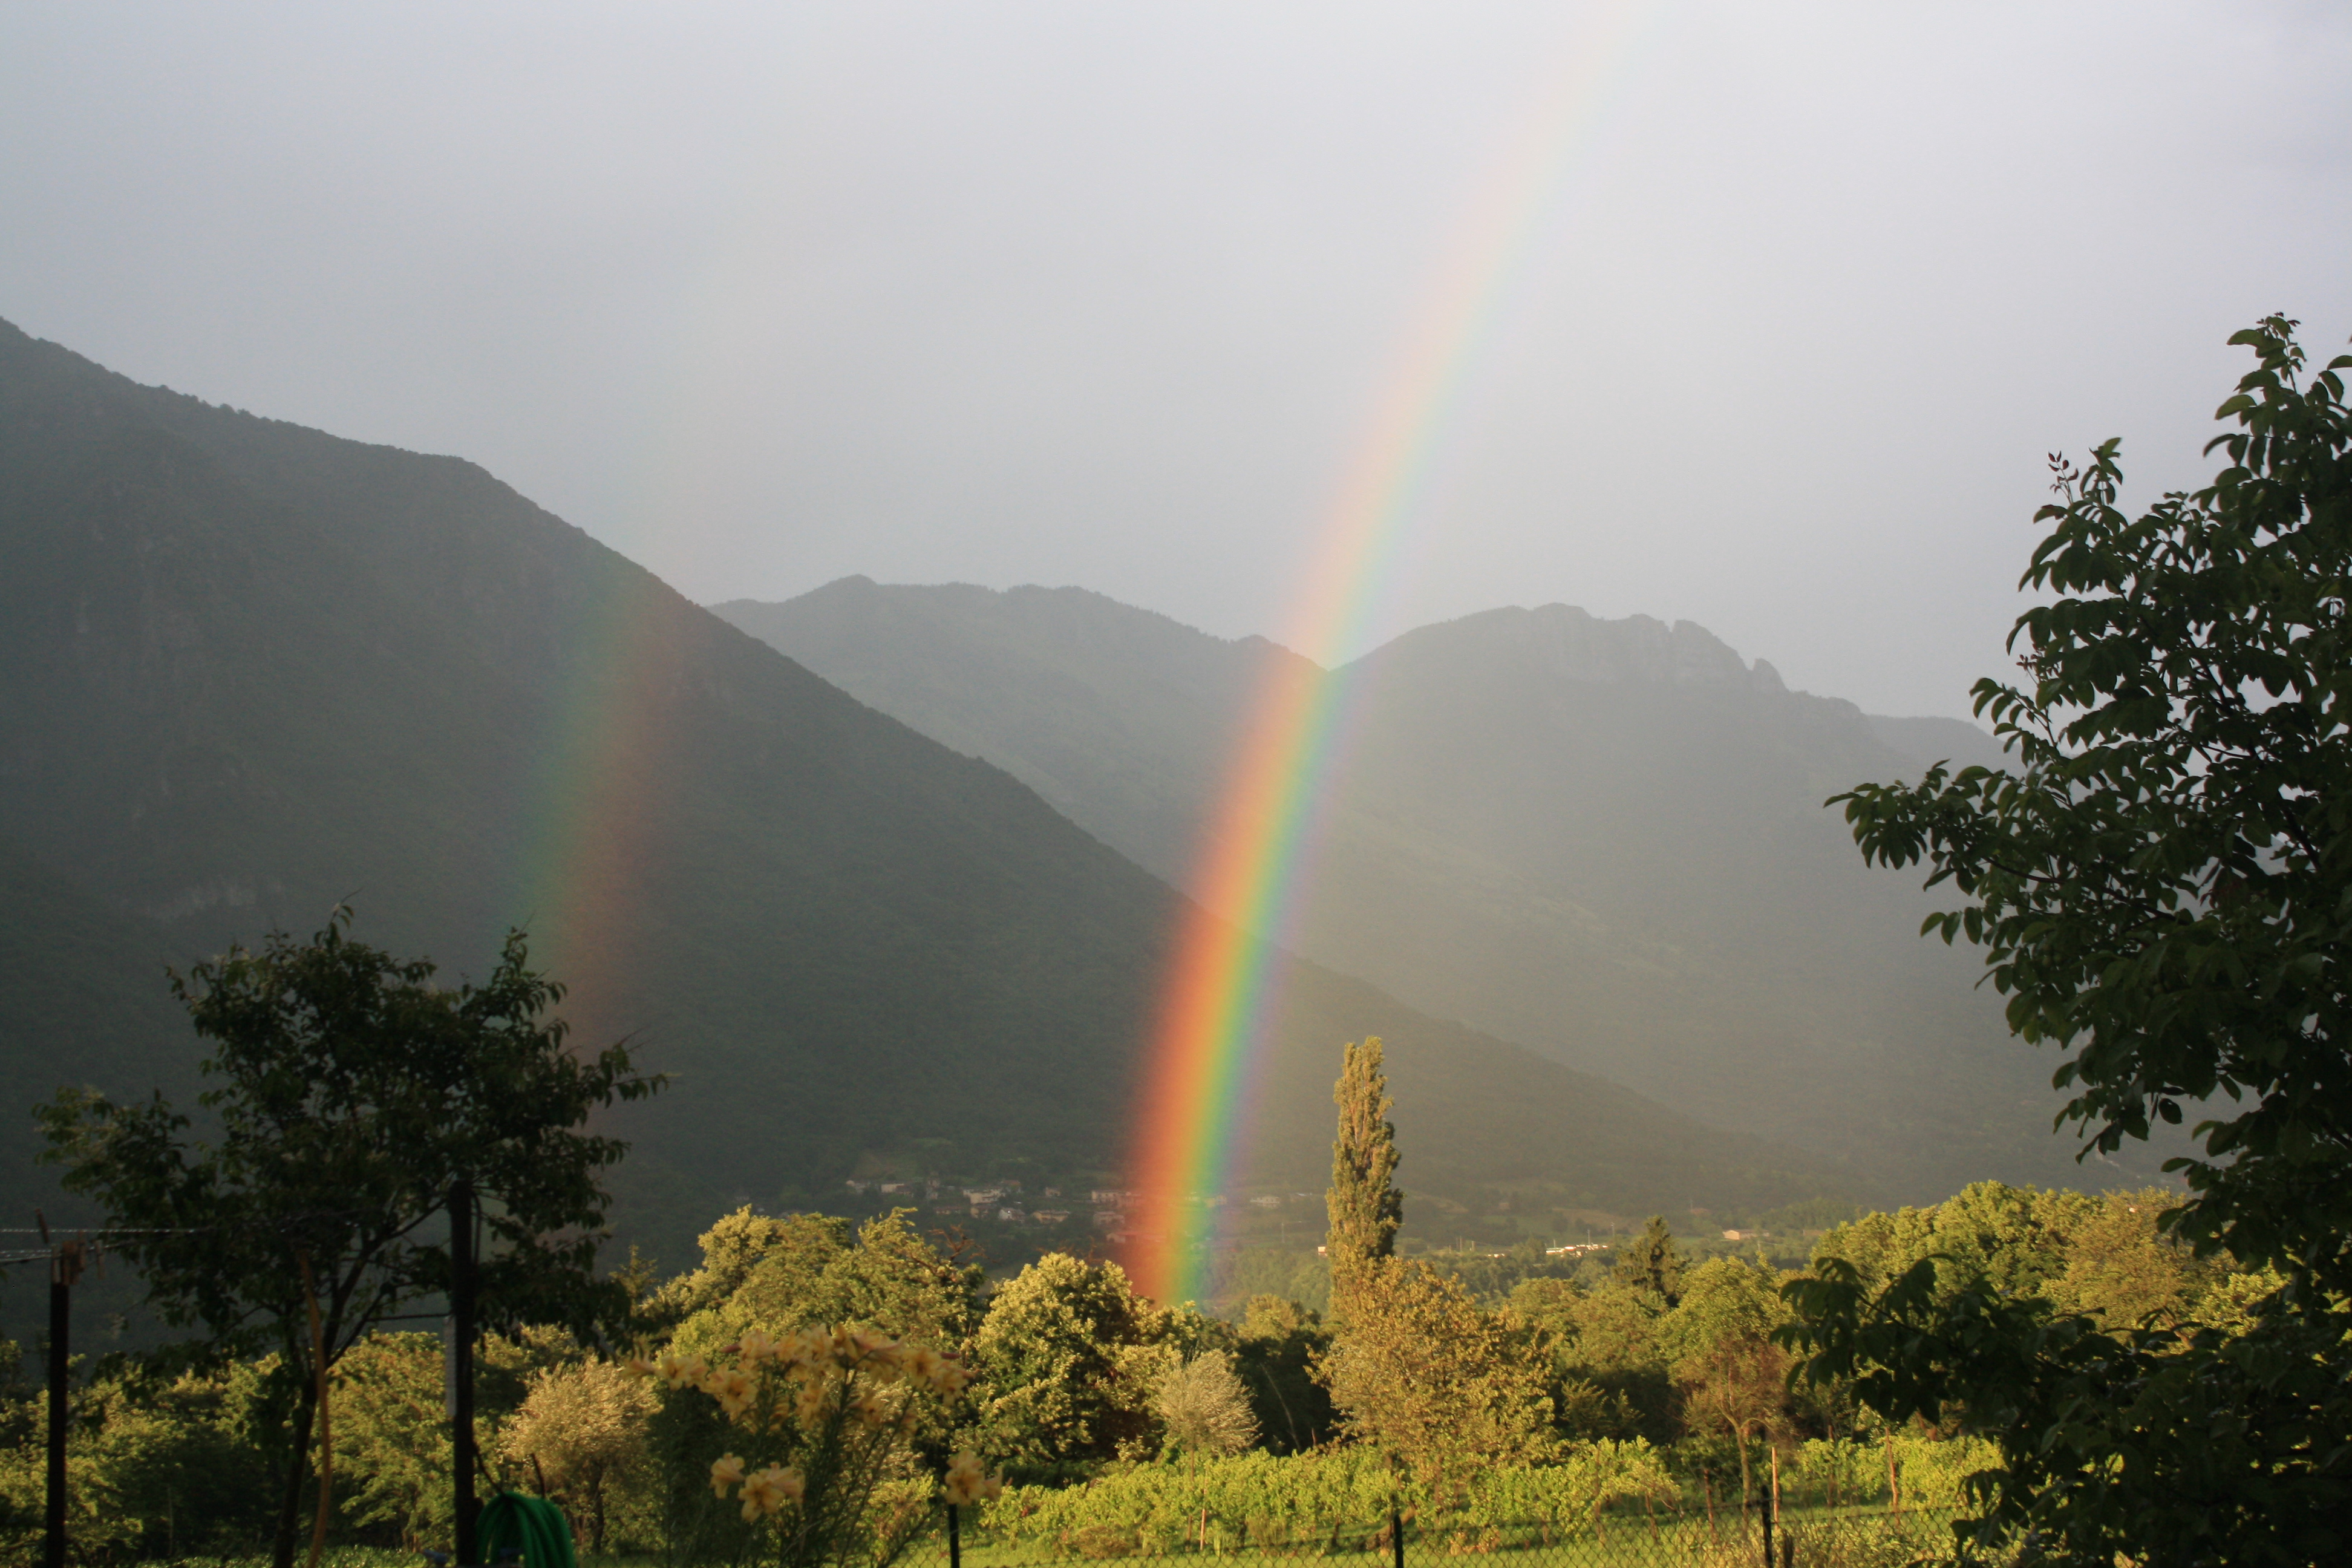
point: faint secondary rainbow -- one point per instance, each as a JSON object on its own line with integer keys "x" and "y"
{"x": 1217, "y": 994}
{"x": 592, "y": 806}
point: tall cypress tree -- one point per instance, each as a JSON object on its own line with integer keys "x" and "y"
{"x": 1364, "y": 1204}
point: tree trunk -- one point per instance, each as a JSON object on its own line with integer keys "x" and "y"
{"x": 297, "y": 1470}
{"x": 1746, "y": 1490}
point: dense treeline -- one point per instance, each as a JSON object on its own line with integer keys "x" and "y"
{"x": 1637, "y": 1381}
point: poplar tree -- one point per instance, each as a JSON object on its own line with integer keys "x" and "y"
{"x": 1364, "y": 1205}
{"x": 1416, "y": 1370}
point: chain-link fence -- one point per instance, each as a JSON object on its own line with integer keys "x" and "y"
{"x": 1726, "y": 1537}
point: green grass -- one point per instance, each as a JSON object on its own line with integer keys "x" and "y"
{"x": 1825, "y": 1538}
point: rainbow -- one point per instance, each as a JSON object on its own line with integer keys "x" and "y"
{"x": 595, "y": 803}
{"x": 1217, "y": 997}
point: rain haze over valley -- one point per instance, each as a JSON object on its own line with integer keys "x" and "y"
{"x": 1627, "y": 419}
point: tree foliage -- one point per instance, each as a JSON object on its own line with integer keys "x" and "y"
{"x": 1070, "y": 1359}
{"x": 393, "y": 1469}
{"x": 2163, "y": 882}
{"x": 349, "y": 1091}
{"x": 1421, "y": 1372}
{"x": 1204, "y": 1408}
{"x": 778, "y": 1273}
{"x": 1652, "y": 1262}
{"x": 1365, "y": 1208}
{"x": 1276, "y": 1346}
{"x": 2163, "y": 887}
{"x": 579, "y": 1430}
{"x": 1719, "y": 1339}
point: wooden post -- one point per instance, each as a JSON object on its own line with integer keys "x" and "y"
{"x": 326, "y": 1427}
{"x": 461, "y": 1364}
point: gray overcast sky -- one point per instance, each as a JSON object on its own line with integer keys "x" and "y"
{"x": 1108, "y": 293}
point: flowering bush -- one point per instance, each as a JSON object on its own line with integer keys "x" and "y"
{"x": 830, "y": 1416}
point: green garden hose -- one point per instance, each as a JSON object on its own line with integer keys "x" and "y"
{"x": 534, "y": 1526}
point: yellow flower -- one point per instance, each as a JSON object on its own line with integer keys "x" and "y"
{"x": 639, "y": 1366}
{"x": 769, "y": 1490}
{"x": 732, "y": 1389}
{"x": 815, "y": 1398}
{"x": 877, "y": 1351}
{"x": 724, "y": 1473}
{"x": 755, "y": 1347}
{"x": 871, "y": 1408}
{"x": 680, "y": 1371}
{"x": 920, "y": 1363}
{"x": 968, "y": 1481}
{"x": 949, "y": 1379}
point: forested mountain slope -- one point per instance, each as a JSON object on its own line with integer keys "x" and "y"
{"x": 248, "y": 670}
{"x": 1603, "y": 840}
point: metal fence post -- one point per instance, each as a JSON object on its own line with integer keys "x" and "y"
{"x": 955, "y": 1540}
{"x": 1396, "y": 1535}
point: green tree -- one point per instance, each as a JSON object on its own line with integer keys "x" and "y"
{"x": 157, "y": 1466}
{"x": 392, "y": 1424}
{"x": 1991, "y": 1235}
{"x": 799, "y": 1271}
{"x": 1652, "y": 1262}
{"x": 2122, "y": 1270}
{"x": 1442, "y": 1387}
{"x": 349, "y": 1091}
{"x": 580, "y": 1429}
{"x": 1275, "y": 1350}
{"x": 1732, "y": 1373}
{"x": 2162, "y": 884}
{"x": 392, "y": 1435}
{"x": 1365, "y": 1208}
{"x": 1204, "y": 1408}
{"x": 1070, "y": 1357}
{"x": 1609, "y": 1378}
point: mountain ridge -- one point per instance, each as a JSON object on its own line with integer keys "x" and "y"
{"x": 248, "y": 671}
{"x": 1603, "y": 840}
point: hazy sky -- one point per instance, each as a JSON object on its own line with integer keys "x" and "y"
{"x": 1111, "y": 294}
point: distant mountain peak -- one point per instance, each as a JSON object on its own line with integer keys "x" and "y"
{"x": 1572, "y": 643}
